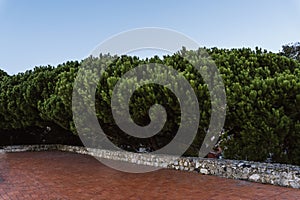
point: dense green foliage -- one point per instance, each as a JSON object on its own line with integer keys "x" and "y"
{"x": 262, "y": 88}
{"x": 263, "y": 96}
{"x": 291, "y": 51}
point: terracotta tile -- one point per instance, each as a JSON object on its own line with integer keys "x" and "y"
{"x": 57, "y": 175}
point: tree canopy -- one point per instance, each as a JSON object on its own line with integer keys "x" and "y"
{"x": 262, "y": 89}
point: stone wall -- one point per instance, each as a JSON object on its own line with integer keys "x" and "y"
{"x": 276, "y": 174}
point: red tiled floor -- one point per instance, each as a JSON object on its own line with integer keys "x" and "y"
{"x": 58, "y": 175}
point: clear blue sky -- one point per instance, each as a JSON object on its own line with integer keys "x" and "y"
{"x": 40, "y": 32}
